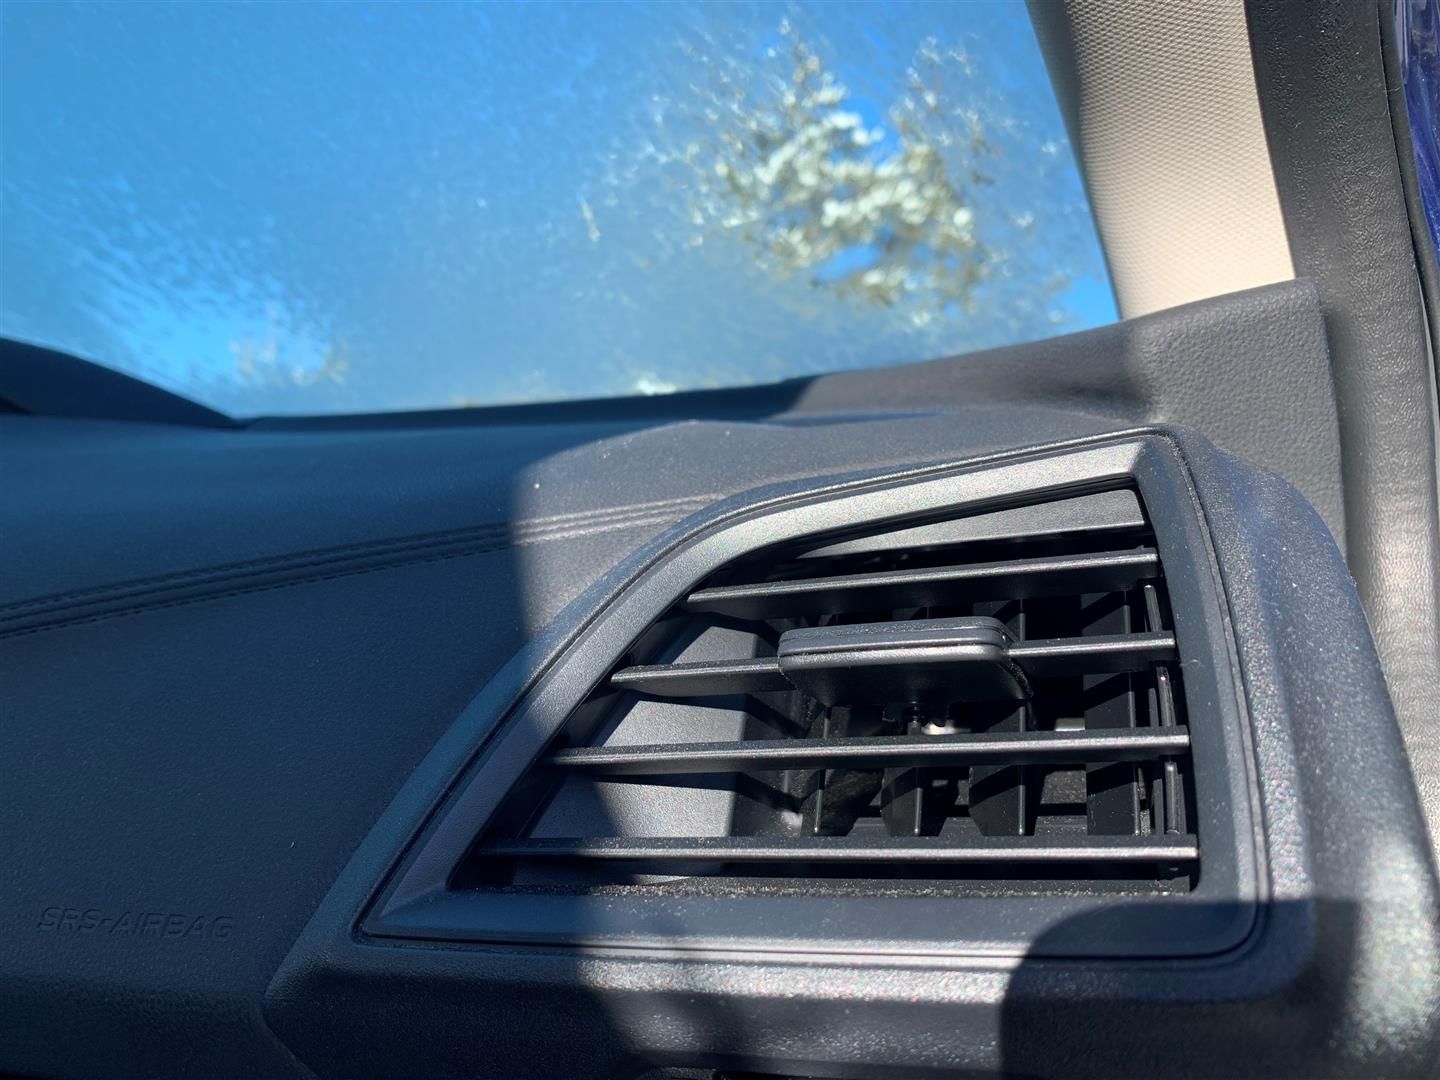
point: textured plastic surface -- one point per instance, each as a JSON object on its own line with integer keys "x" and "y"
{"x": 1348, "y": 931}
{"x": 1216, "y": 914}
{"x": 1320, "y": 68}
{"x": 224, "y": 651}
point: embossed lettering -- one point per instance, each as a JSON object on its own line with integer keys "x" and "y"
{"x": 175, "y": 925}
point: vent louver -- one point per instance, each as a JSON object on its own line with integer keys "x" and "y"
{"x": 989, "y": 704}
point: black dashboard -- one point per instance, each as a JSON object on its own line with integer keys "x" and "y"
{"x": 277, "y": 697}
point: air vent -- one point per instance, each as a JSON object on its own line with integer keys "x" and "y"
{"x": 987, "y": 704}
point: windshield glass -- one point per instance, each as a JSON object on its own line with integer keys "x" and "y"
{"x": 334, "y": 207}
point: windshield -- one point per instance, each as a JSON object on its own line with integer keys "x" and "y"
{"x": 315, "y": 207}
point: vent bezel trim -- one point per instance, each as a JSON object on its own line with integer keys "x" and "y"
{"x": 417, "y": 902}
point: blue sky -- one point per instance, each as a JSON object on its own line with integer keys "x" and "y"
{"x": 314, "y": 207}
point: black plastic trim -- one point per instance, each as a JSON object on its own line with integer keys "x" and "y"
{"x": 852, "y": 849}
{"x": 946, "y": 584}
{"x": 1346, "y": 925}
{"x": 1006, "y": 747}
{"x": 1094, "y": 514}
{"x": 1098, "y": 654}
{"x": 47, "y": 382}
{"x": 910, "y": 661}
{"x": 1328, "y": 110}
{"x": 415, "y": 905}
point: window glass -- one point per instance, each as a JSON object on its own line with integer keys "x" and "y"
{"x": 336, "y": 207}
{"x": 1418, "y": 24}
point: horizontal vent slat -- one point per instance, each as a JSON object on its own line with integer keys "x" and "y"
{"x": 705, "y": 678}
{"x": 966, "y": 701}
{"x": 1040, "y": 659}
{"x": 1011, "y": 850}
{"x": 1007, "y": 748}
{"x": 1098, "y": 655}
{"x": 1094, "y": 514}
{"x": 1012, "y": 579}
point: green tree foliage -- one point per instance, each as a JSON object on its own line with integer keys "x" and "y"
{"x": 788, "y": 164}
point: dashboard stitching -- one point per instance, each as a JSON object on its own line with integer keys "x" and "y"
{"x": 520, "y": 532}
{"x": 487, "y": 549}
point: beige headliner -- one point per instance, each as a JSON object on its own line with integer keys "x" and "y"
{"x": 1160, "y": 100}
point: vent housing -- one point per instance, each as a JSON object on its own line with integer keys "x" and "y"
{"x": 988, "y": 705}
